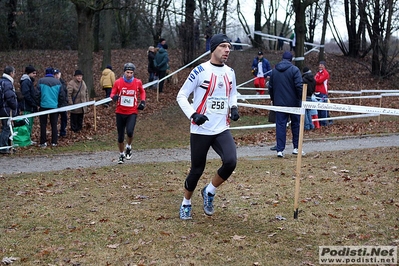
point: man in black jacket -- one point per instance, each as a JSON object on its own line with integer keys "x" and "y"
{"x": 9, "y": 106}
{"x": 29, "y": 104}
{"x": 285, "y": 89}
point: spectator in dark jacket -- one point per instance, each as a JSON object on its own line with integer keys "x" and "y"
{"x": 152, "y": 71}
{"x": 261, "y": 71}
{"x": 285, "y": 89}
{"x": 29, "y": 103}
{"x": 8, "y": 107}
{"x": 50, "y": 92}
{"x": 161, "y": 63}
{"x": 308, "y": 79}
{"x": 63, "y": 101}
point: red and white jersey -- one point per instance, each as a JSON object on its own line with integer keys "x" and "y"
{"x": 214, "y": 93}
{"x": 128, "y": 95}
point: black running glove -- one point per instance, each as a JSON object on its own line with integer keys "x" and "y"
{"x": 115, "y": 98}
{"x": 234, "y": 114}
{"x": 141, "y": 105}
{"x": 199, "y": 119}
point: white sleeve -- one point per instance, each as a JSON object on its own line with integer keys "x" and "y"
{"x": 182, "y": 97}
{"x": 233, "y": 93}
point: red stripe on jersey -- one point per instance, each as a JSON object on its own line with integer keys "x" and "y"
{"x": 211, "y": 87}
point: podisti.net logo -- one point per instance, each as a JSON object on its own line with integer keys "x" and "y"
{"x": 358, "y": 255}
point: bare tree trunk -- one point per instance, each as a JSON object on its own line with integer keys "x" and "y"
{"x": 257, "y": 38}
{"x": 96, "y": 30}
{"x": 85, "y": 44}
{"x": 107, "y": 38}
{"x": 224, "y": 18}
{"x": 188, "y": 33}
{"x": 375, "y": 40}
{"x": 324, "y": 29}
{"x": 11, "y": 23}
{"x": 300, "y": 28}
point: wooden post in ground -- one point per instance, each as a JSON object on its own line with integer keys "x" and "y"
{"x": 299, "y": 156}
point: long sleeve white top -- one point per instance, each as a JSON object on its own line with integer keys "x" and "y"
{"x": 214, "y": 93}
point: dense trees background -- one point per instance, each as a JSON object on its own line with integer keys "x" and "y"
{"x": 92, "y": 25}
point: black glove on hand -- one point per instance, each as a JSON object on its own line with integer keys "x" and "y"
{"x": 115, "y": 98}
{"x": 199, "y": 119}
{"x": 141, "y": 105}
{"x": 234, "y": 114}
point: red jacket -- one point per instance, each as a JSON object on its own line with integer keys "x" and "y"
{"x": 321, "y": 81}
{"x": 128, "y": 93}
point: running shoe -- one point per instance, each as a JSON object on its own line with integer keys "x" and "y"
{"x": 208, "y": 202}
{"x": 121, "y": 159}
{"x": 185, "y": 212}
{"x": 128, "y": 153}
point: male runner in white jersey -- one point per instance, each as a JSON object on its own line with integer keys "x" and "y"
{"x": 214, "y": 103}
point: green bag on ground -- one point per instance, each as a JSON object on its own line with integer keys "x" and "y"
{"x": 22, "y": 139}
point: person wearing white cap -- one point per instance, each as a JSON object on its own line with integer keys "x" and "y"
{"x": 214, "y": 104}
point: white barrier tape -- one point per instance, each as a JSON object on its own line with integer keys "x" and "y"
{"x": 102, "y": 101}
{"x": 345, "y": 92}
{"x": 183, "y": 67}
{"x": 55, "y": 110}
{"x": 319, "y": 119}
{"x": 284, "y": 109}
{"x": 254, "y": 127}
{"x": 349, "y": 108}
{"x": 326, "y": 106}
{"x": 363, "y": 91}
{"x": 358, "y": 97}
{"x": 377, "y": 91}
{"x": 253, "y": 88}
{"x": 5, "y": 147}
{"x": 389, "y": 94}
{"x": 238, "y": 86}
{"x": 253, "y": 97}
{"x": 345, "y": 117}
{"x": 150, "y": 84}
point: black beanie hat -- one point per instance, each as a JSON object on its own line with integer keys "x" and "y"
{"x": 218, "y": 39}
{"x": 29, "y": 69}
{"x": 78, "y": 72}
{"x": 287, "y": 56}
{"x": 306, "y": 70}
{"x": 49, "y": 71}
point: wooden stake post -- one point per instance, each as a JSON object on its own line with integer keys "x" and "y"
{"x": 299, "y": 158}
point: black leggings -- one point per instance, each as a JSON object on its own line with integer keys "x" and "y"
{"x": 127, "y": 122}
{"x": 223, "y": 144}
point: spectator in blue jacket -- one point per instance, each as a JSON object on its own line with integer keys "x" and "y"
{"x": 261, "y": 70}
{"x": 50, "y": 96}
{"x": 9, "y": 105}
{"x": 285, "y": 89}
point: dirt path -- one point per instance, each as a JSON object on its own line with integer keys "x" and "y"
{"x": 13, "y": 165}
